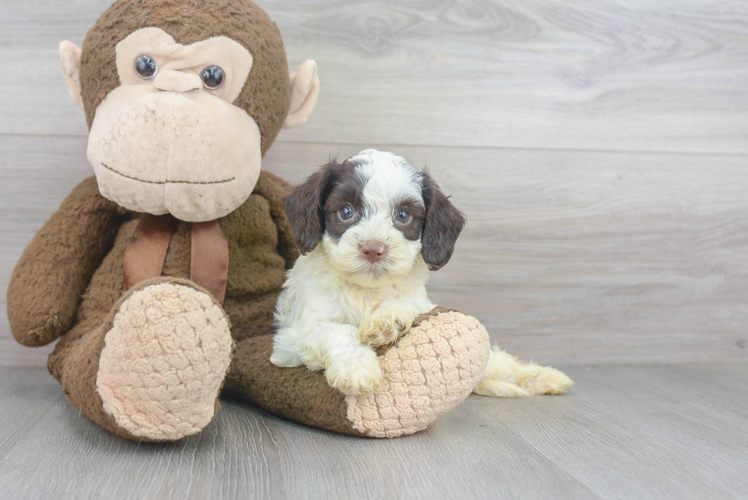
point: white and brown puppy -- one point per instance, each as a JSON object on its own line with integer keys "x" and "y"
{"x": 369, "y": 229}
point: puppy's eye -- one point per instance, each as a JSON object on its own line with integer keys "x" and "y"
{"x": 402, "y": 216}
{"x": 346, "y": 213}
{"x": 212, "y": 77}
{"x": 145, "y": 66}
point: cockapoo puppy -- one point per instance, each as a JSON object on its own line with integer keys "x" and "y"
{"x": 369, "y": 230}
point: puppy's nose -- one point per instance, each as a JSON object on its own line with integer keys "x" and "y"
{"x": 373, "y": 251}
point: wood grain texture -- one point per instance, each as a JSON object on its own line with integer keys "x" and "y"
{"x": 609, "y": 75}
{"x": 26, "y": 396}
{"x": 643, "y": 432}
{"x": 580, "y": 248}
{"x": 568, "y": 256}
{"x": 622, "y": 432}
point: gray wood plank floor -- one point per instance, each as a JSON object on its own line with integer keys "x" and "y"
{"x": 622, "y": 432}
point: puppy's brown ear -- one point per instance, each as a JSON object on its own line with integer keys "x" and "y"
{"x": 304, "y": 208}
{"x": 443, "y": 225}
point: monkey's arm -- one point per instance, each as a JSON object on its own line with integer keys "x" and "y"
{"x": 274, "y": 189}
{"x": 55, "y": 269}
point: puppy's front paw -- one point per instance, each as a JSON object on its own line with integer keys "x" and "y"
{"x": 385, "y": 327}
{"x": 355, "y": 375}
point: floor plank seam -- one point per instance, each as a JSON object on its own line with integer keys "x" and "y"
{"x": 281, "y": 140}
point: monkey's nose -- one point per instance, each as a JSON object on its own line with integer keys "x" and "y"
{"x": 177, "y": 81}
{"x": 373, "y": 251}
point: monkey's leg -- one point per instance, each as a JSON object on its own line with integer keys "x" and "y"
{"x": 428, "y": 372}
{"x": 153, "y": 370}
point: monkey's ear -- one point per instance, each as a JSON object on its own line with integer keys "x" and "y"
{"x": 304, "y": 93}
{"x": 443, "y": 225}
{"x": 70, "y": 61}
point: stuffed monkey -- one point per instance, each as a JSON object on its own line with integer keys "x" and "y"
{"x": 159, "y": 275}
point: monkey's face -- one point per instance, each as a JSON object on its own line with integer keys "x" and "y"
{"x": 169, "y": 139}
{"x": 183, "y": 99}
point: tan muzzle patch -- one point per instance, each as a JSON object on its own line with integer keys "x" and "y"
{"x": 189, "y": 154}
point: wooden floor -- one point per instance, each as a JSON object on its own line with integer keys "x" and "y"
{"x": 635, "y": 432}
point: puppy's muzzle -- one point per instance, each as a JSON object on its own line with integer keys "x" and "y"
{"x": 373, "y": 251}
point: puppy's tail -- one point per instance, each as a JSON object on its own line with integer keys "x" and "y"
{"x": 507, "y": 377}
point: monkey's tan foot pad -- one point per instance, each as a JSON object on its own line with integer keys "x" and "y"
{"x": 164, "y": 361}
{"x": 429, "y": 372}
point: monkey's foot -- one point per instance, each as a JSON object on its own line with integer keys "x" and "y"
{"x": 427, "y": 373}
{"x": 164, "y": 362}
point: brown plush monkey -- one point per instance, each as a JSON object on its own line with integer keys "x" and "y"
{"x": 160, "y": 274}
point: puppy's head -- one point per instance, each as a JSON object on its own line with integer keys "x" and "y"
{"x": 376, "y": 217}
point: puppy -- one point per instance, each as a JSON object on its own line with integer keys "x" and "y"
{"x": 369, "y": 230}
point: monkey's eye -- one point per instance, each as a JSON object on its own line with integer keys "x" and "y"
{"x": 403, "y": 217}
{"x": 212, "y": 77}
{"x": 145, "y": 66}
{"x": 346, "y": 213}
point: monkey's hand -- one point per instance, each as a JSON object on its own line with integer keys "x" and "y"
{"x": 385, "y": 326}
{"x": 56, "y": 267}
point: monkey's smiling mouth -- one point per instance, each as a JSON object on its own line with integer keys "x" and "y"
{"x": 165, "y": 182}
